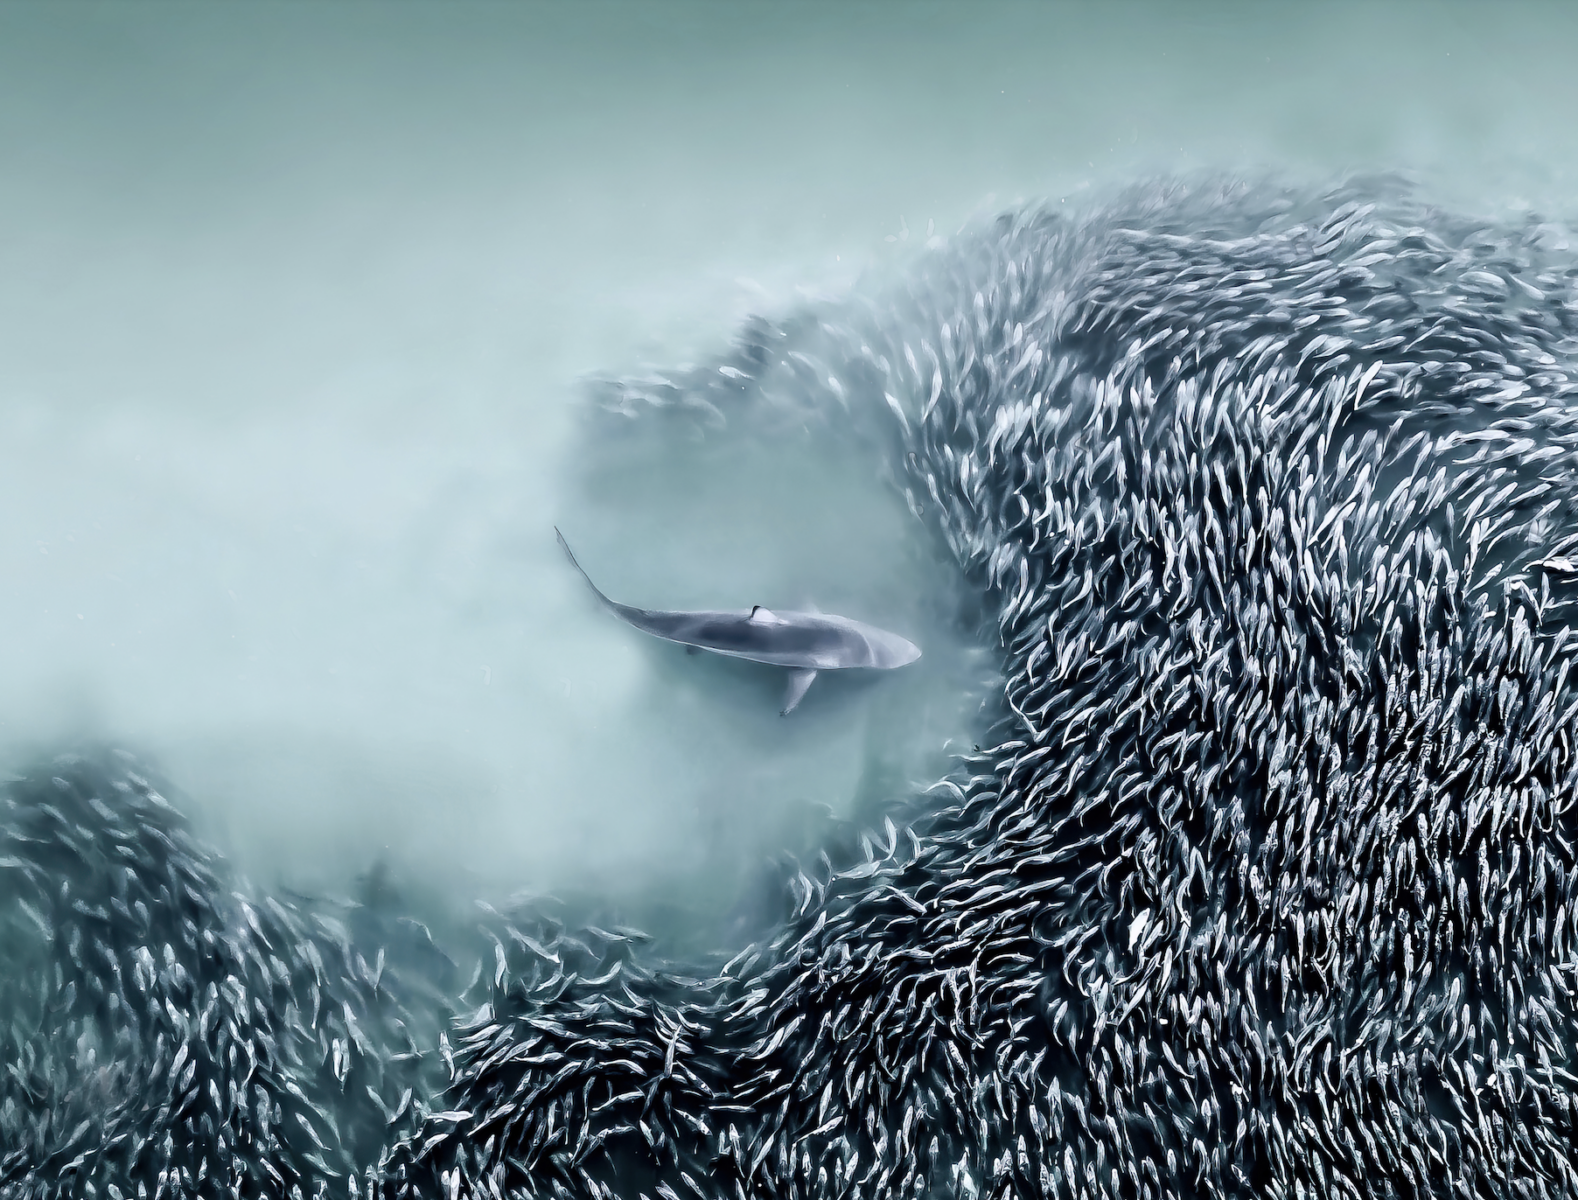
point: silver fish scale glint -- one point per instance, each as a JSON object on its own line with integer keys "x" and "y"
{"x": 1262, "y": 885}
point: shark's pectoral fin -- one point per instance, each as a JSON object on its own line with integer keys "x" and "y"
{"x": 799, "y": 681}
{"x": 692, "y": 649}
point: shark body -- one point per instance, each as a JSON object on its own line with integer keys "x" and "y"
{"x": 803, "y": 642}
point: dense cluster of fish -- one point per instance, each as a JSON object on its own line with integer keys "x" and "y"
{"x": 166, "y": 1035}
{"x": 1264, "y": 885}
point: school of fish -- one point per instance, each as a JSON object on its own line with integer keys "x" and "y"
{"x": 1263, "y": 882}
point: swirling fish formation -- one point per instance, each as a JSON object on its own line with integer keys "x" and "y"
{"x": 1263, "y": 886}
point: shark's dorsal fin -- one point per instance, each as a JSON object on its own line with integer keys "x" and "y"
{"x": 763, "y": 616}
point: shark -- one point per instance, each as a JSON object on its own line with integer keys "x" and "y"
{"x": 805, "y": 643}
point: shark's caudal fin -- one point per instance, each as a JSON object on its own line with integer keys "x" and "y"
{"x": 799, "y": 681}
{"x": 565, "y": 546}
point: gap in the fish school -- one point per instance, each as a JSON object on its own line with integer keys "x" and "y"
{"x": 294, "y": 304}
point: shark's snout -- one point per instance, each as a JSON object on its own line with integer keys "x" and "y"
{"x": 890, "y": 650}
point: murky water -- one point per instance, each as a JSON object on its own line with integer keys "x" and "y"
{"x": 295, "y": 306}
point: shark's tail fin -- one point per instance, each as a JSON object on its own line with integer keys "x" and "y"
{"x": 568, "y": 553}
